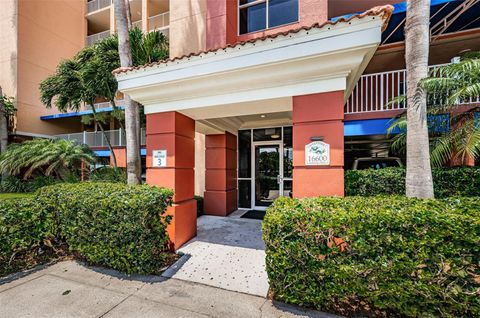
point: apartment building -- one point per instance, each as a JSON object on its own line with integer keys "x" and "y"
{"x": 259, "y": 99}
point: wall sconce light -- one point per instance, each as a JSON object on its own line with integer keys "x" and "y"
{"x": 316, "y": 138}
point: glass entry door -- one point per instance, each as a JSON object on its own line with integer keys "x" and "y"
{"x": 268, "y": 176}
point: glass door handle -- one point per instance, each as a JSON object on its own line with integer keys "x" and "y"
{"x": 279, "y": 179}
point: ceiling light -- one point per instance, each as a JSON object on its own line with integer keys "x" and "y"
{"x": 263, "y": 116}
{"x": 275, "y": 136}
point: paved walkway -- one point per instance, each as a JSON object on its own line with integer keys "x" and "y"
{"x": 69, "y": 289}
{"x": 228, "y": 253}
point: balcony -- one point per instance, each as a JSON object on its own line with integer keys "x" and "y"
{"x": 98, "y": 36}
{"x": 160, "y": 22}
{"x": 373, "y": 92}
{"x": 96, "y": 138}
{"x": 96, "y": 5}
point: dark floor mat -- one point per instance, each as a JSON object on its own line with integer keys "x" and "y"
{"x": 254, "y": 214}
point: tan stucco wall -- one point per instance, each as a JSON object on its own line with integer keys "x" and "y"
{"x": 187, "y": 26}
{"x": 48, "y": 31}
{"x": 199, "y": 164}
{"x": 8, "y": 47}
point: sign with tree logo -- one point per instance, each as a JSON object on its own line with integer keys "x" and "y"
{"x": 317, "y": 153}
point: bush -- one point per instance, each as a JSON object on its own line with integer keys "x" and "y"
{"x": 390, "y": 256}
{"x": 109, "y": 174}
{"x": 25, "y": 229}
{"x": 110, "y": 224}
{"x": 13, "y": 184}
{"x": 464, "y": 181}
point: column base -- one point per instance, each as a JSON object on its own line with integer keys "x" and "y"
{"x": 220, "y": 203}
{"x": 183, "y": 226}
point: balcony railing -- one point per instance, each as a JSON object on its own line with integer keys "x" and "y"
{"x": 98, "y": 36}
{"x": 95, "y": 5}
{"x": 97, "y": 139}
{"x": 374, "y": 92}
{"x": 159, "y": 21}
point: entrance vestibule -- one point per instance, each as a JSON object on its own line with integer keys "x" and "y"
{"x": 265, "y": 166}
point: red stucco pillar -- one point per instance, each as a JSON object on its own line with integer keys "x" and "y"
{"x": 175, "y": 133}
{"x": 220, "y": 196}
{"x": 318, "y": 115}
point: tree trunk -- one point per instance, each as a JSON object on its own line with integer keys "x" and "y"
{"x": 419, "y": 182}
{"x": 129, "y": 14}
{"x": 3, "y": 128}
{"x": 131, "y": 108}
{"x": 109, "y": 144}
{"x": 3, "y": 125}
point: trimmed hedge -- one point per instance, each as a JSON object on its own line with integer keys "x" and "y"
{"x": 110, "y": 224}
{"x": 400, "y": 256}
{"x": 462, "y": 181}
{"x": 114, "y": 225}
{"x": 25, "y": 228}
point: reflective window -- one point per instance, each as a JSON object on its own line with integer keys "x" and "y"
{"x": 267, "y": 134}
{"x": 253, "y": 18}
{"x": 282, "y": 12}
{"x": 244, "y": 194}
{"x": 256, "y": 15}
{"x": 244, "y": 154}
{"x": 287, "y": 153}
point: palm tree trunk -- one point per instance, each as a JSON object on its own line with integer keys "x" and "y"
{"x": 129, "y": 13}
{"x": 131, "y": 108}
{"x": 3, "y": 128}
{"x": 3, "y": 125}
{"x": 109, "y": 144}
{"x": 419, "y": 182}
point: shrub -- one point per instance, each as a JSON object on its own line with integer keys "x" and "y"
{"x": 109, "y": 174}
{"x": 464, "y": 181}
{"x": 12, "y": 184}
{"x": 110, "y": 224}
{"x": 25, "y": 229}
{"x": 400, "y": 256}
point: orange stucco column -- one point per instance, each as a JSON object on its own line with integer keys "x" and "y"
{"x": 175, "y": 133}
{"x": 318, "y": 115}
{"x": 220, "y": 196}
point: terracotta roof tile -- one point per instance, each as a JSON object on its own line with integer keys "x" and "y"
{"x": 385, "y": 11}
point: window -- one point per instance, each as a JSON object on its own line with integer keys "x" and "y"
{"x": 256, "y": 15}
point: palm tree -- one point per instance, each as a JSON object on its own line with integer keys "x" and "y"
{"x": 68, "y": 89}
{"x": 47, "y": 156}
{"x": 419, "y": 181}
{"x": 3, "y": 124}
{"x": 132, "y": 117}
{"x": 456, "y": 137}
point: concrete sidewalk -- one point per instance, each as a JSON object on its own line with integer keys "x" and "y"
{"x": 228, "y": 253}
{"x": 70, "y": 289}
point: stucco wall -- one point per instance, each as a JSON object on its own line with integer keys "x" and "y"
{"x": 187, "y": 26}
{"x": 48, "y": 31}
{"x": 8, "y": 47}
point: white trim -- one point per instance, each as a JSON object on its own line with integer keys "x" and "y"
{"x": 310, "y": 61}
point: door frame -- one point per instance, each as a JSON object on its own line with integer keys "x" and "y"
{"x": 278, "y": 143}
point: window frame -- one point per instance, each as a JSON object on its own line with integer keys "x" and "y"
{"x": 253, "y": 3}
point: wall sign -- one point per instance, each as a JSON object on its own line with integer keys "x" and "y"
{"x": 159, "y": 158}
{"x": 317, "y": 153}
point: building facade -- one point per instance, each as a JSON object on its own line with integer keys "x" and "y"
{"x": 259, "y": 99}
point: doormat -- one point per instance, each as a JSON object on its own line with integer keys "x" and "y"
{"x": 254, "y": 214}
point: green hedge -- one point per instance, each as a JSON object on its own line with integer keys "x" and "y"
{"x": 110, "y": 224}
{"x": 464, "y": 181}
{"x": 403, "y": 257}
{"x": 25, "y": 229}
{"x": 115, "y": 225}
